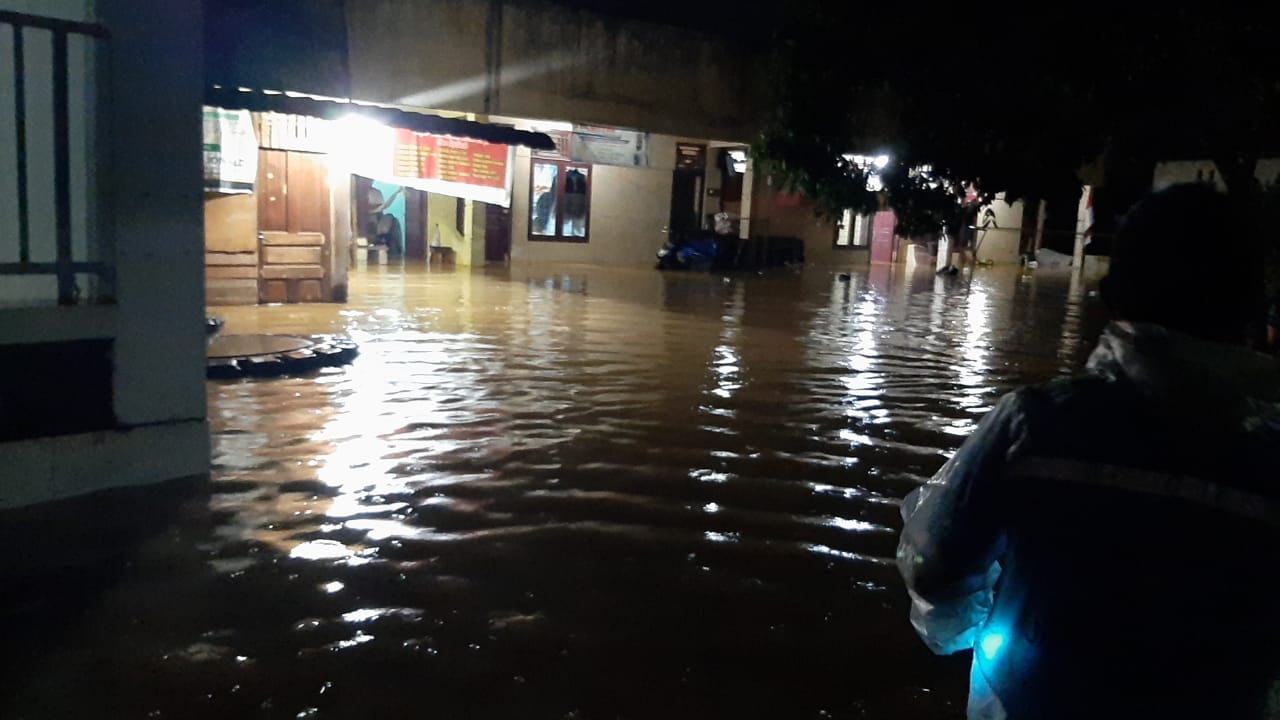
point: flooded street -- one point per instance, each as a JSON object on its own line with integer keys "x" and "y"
{"x": 570, "y": 493}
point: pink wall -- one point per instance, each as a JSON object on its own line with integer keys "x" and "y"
{"x": 882, "y": 225}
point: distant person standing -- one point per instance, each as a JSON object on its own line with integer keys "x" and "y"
{"x": 575, "y": 203}
{"x": 384, "y": 227}
{"x": 1106, "y": 544}
{"x": 544, "y": 207}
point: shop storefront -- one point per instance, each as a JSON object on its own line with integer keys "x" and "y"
{"x": 294, "y": 201}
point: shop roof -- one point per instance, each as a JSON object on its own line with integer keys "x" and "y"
{"x": 335, "y": 108}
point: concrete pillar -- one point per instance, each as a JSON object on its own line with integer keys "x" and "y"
{"x": 155, "y": 190}
{"x": 944, "y": 251}
{"x": 1042, "y": 210}
{"x": 1084, "y": 220}
{"x": 748, "y": 197}
{"x": 475, "y": 224}
{"x": 342, "y": 232}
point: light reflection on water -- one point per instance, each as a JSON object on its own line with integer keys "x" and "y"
{"x": 595, "y": 493}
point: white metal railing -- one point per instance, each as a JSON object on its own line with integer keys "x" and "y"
{"x": 49, "y": 69}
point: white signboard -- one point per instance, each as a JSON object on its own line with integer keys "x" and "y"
{"x": 600, "y": 145}
{"x": 230, "y": 151}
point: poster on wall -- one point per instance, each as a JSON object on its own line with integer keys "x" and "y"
{"x": 563, "y": 140}
{"x": 458, "y": 167}
{"x": 230, "y": 151}
{"x": 453, "y": 160}
{"x": 601, "y": 145}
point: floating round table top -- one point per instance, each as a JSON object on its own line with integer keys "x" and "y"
{"x": 236, "y": 356}
{"x": 229, "y": 346}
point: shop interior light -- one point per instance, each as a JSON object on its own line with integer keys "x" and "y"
{"x": 355, "y": 123}
{"x": 355, "y": 138}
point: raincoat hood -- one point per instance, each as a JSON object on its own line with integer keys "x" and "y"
{"x": 1185, "y": 374}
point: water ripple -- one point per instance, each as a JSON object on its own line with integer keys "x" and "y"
{"x": 621, "y": 503}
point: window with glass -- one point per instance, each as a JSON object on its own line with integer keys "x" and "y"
{"x": 855, "y": 230}
{"x": 559, "y": 201}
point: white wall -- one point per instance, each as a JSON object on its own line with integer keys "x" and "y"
{"x": 1000, "y": 243}
{"x": 629, "y": 209}
{"x": 81, "y": 10}
{"x": 442, "y": 225}
{"x": 60, "y": 467}
{"x": 475, "y": 223}
{"x": 629, "y": 213}
{"x": 1268, "y": 171}
{"x": 1186, "y": 171}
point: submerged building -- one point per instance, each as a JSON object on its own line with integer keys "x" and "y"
{"x": 166, "y": 156}
{"x": 647, "y": 128}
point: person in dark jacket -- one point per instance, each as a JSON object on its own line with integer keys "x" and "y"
{"x": 1106, "y": 544}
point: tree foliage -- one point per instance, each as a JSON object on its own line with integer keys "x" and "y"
{"x": 1014, "y": 100}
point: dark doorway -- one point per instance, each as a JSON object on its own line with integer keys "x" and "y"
{"x": 41, "y": 382}
{"x": 415, "y": 224}
{"x": 686, "y": 201}
{"x": 497, "y": 233}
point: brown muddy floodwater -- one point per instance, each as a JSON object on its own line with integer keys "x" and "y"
{"x": 570, "y": 493}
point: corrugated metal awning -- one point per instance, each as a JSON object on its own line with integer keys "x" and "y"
{"x": 334, "y": 109}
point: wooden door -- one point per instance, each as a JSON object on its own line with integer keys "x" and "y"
{"x": 294, "y": 225}
{"x": 497, "y": 233}
{"x": 415, "y": 224}
{"x": 231, "y": 250}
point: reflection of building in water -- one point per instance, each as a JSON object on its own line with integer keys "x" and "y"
{"x": 255, "y": 429}
{"x": 975, "y": 350}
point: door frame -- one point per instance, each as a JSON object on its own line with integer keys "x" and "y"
{"x": 699, "y": 178}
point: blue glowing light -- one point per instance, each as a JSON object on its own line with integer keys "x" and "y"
{"x": 991, "y": 644}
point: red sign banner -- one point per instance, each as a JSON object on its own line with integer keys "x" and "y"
{"x": 450, "y": 159}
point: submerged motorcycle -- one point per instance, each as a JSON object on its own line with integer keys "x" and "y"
{"x": 697, "y": 252}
